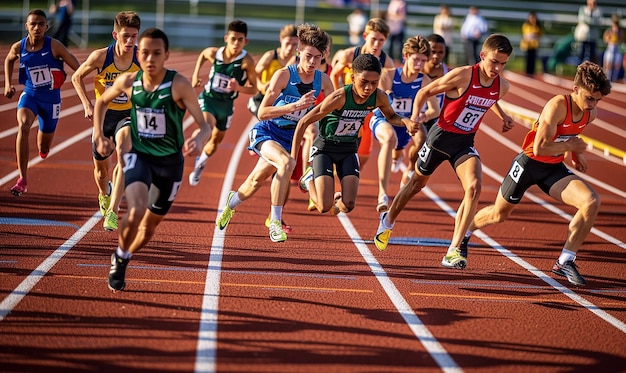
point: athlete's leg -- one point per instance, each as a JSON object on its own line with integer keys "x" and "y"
{"x": 575, "y": 192}
{"x": 25, "y": 119}
{"x": 469, "y": 172}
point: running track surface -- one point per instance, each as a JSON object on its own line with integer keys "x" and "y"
{"x": 199, "y": 300}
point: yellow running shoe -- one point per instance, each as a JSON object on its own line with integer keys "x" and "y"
{"x": 454, "y": 259}
{"x": 277, "y": 234}
{"x": 104, "y": 201}
{"x": 110, "y": 221}
{"x": 381, "y": 240}
{"x": 227, "y": 214}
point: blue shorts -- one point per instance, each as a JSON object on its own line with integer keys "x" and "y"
{"x": 267, "y": 130}
{"x": 48, "y": 112}
{"x": 401, "y": 132}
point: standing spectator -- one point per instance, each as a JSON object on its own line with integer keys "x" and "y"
{"x": 613, "y": 37}
{"x": 62, "y": 10}
{"x": 589, "y": 15}
{"x": 443, "y": 25}
{"x": 473, "y": 28}
{"x": 396, "y": 19}
{"x": 356, "y": 24}
{"x": 531, "y": 32}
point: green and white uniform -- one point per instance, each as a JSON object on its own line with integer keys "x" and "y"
{"x": 339, "y": 136}
{"x": 216, "y": 98}
{"x": 157, "y": 135}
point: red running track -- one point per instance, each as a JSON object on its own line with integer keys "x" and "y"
{"x": 198, "y": 300}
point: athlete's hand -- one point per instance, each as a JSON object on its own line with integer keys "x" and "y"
{"x": 306, "y": 101}
{"x": 9, "y": 91}
{"x": 412, "y": 127}
{"x": 579, "y": 162}
{"x": 508, "y": 123}
{"x": 576, "y": 145}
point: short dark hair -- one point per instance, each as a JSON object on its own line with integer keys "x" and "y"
{"x": 238, "y": 26}
{"x": 155, "y": 33}
{"x": 591, "y": 77}
{"x": 436, "y": 38}
{"x": 37, "y": 12}
{"x": 366, "y": 62}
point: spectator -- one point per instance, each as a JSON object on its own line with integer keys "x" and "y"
{"x": 613, "y": 37}
{"x": 473, "y": 28}
{"x": 396, "y": 19}
{"x": 589, "y": 20}
{"x": 531, "y": 32}
{"x": 443, "y": 25}
{"x": 62, "y": 11}
{"x": 356, "y": 25}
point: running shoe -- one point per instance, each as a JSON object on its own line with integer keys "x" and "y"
{"x": 19, "y": 188}
{"x": 194, "y": 176}
{"x": 277, "y": 234}
{"x": 454, "y": 259}
{"x": 569, "y": 270}
{"x": 383, "y": 204}
{"x": 117, "y": 274}
{"x": 286, "y": 228}
{"x": 110, "y": 221}
{"x": 464, "y": 244}
{"x": 43, "y": 155}
{"x": 381, "y": 240}
{"x": 227, "y": 213}
{"x": 305, "y": 178}
{"x": 104, "y": 201}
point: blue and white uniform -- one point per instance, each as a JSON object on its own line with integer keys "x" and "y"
{"x": 42, "y": 75}
{"x": 281, "y": 129}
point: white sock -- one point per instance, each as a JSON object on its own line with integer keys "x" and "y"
{"x": 202, "y": 159}
{"x": 123, "y": 254}
{"x": 277, "y": 213}
{"x": 566, "y": 256}
{"x": 234, "y": 201}
{"x": 386, "y": 223}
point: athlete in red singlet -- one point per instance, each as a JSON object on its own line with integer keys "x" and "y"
{"x": 540, "y": 163}
{"x": 469, "y": 92}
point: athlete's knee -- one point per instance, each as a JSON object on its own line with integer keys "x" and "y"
{"x": 591, "y": 205}
{"x": 473, "y": 189}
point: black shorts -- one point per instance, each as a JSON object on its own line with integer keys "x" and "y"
{"x": 330, "y": 155}
{"x": 114, "y": 120}
{"x": 162, "y": 175}
{"x": 440, "y": 146}
{"x": 526, "y": 172}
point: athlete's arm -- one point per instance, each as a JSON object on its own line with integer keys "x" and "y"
{"x": 9, "y": 62}
{"x": 60, "y": 51}
{"x": 334, "y": 101}
{"x": 185, "y": 97}
{"x": 93, "y": 62}
{"x": 551, "y": 116}
{"x": 454, "y": 84}
{"x": 278, "y": 83}
{"x": 250, "y": 86}
{"x": 206, "y": 54}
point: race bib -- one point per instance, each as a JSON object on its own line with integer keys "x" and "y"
{"x": 40, "y": 76}
{"x": 151, "y": 123}
{"x": 347, "y": 127}
{"x": 516, "y": 172}
{"x": 219, "y": 83}
{"x": 468, "y": 119}
{"x": 402, "y": 106}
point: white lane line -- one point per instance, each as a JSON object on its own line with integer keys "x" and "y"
{"x": 206, "y": 349}
{"x": 618, "y": 324}
{"x": 33, "y": 278}
{"x": 428, "y": 340}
